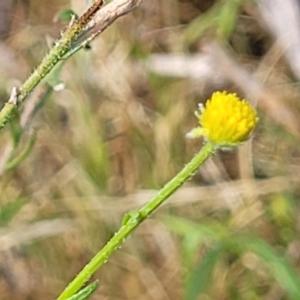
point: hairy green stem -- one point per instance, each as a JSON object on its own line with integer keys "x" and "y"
{"x": 61, "y": 48}
{"x": 48, "y": 63}
{"x": 135, "y": 219}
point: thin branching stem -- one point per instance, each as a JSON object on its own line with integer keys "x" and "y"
{"x": 91, "y": 22}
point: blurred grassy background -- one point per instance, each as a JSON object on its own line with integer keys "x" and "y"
{"x": 74, "y": 161}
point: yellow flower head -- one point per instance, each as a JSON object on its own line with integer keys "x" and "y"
{"x": 226, "y": 120}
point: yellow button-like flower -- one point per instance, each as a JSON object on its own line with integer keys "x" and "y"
{"x": 226, "y": 120}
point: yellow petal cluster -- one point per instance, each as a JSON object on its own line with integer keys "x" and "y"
{"x": 226, "y": 120}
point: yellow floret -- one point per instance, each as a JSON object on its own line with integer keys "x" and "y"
{"x": 226, "y": 120}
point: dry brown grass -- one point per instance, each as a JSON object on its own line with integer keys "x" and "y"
{"x": 117, "y": 133}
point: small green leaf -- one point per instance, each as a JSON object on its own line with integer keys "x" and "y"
{"x": 66, "y": 15}
{"x": 86, "y": 292}
{"x": 132, "y": 215}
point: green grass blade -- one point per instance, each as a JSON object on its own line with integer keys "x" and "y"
{"x": 279, "y": 266}
{"x": 200, "y": 279}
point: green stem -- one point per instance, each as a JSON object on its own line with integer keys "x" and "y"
{"x": 48, "y": 63}
{"x": 135, "y": 220}
{"x": 59, "y": 50}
